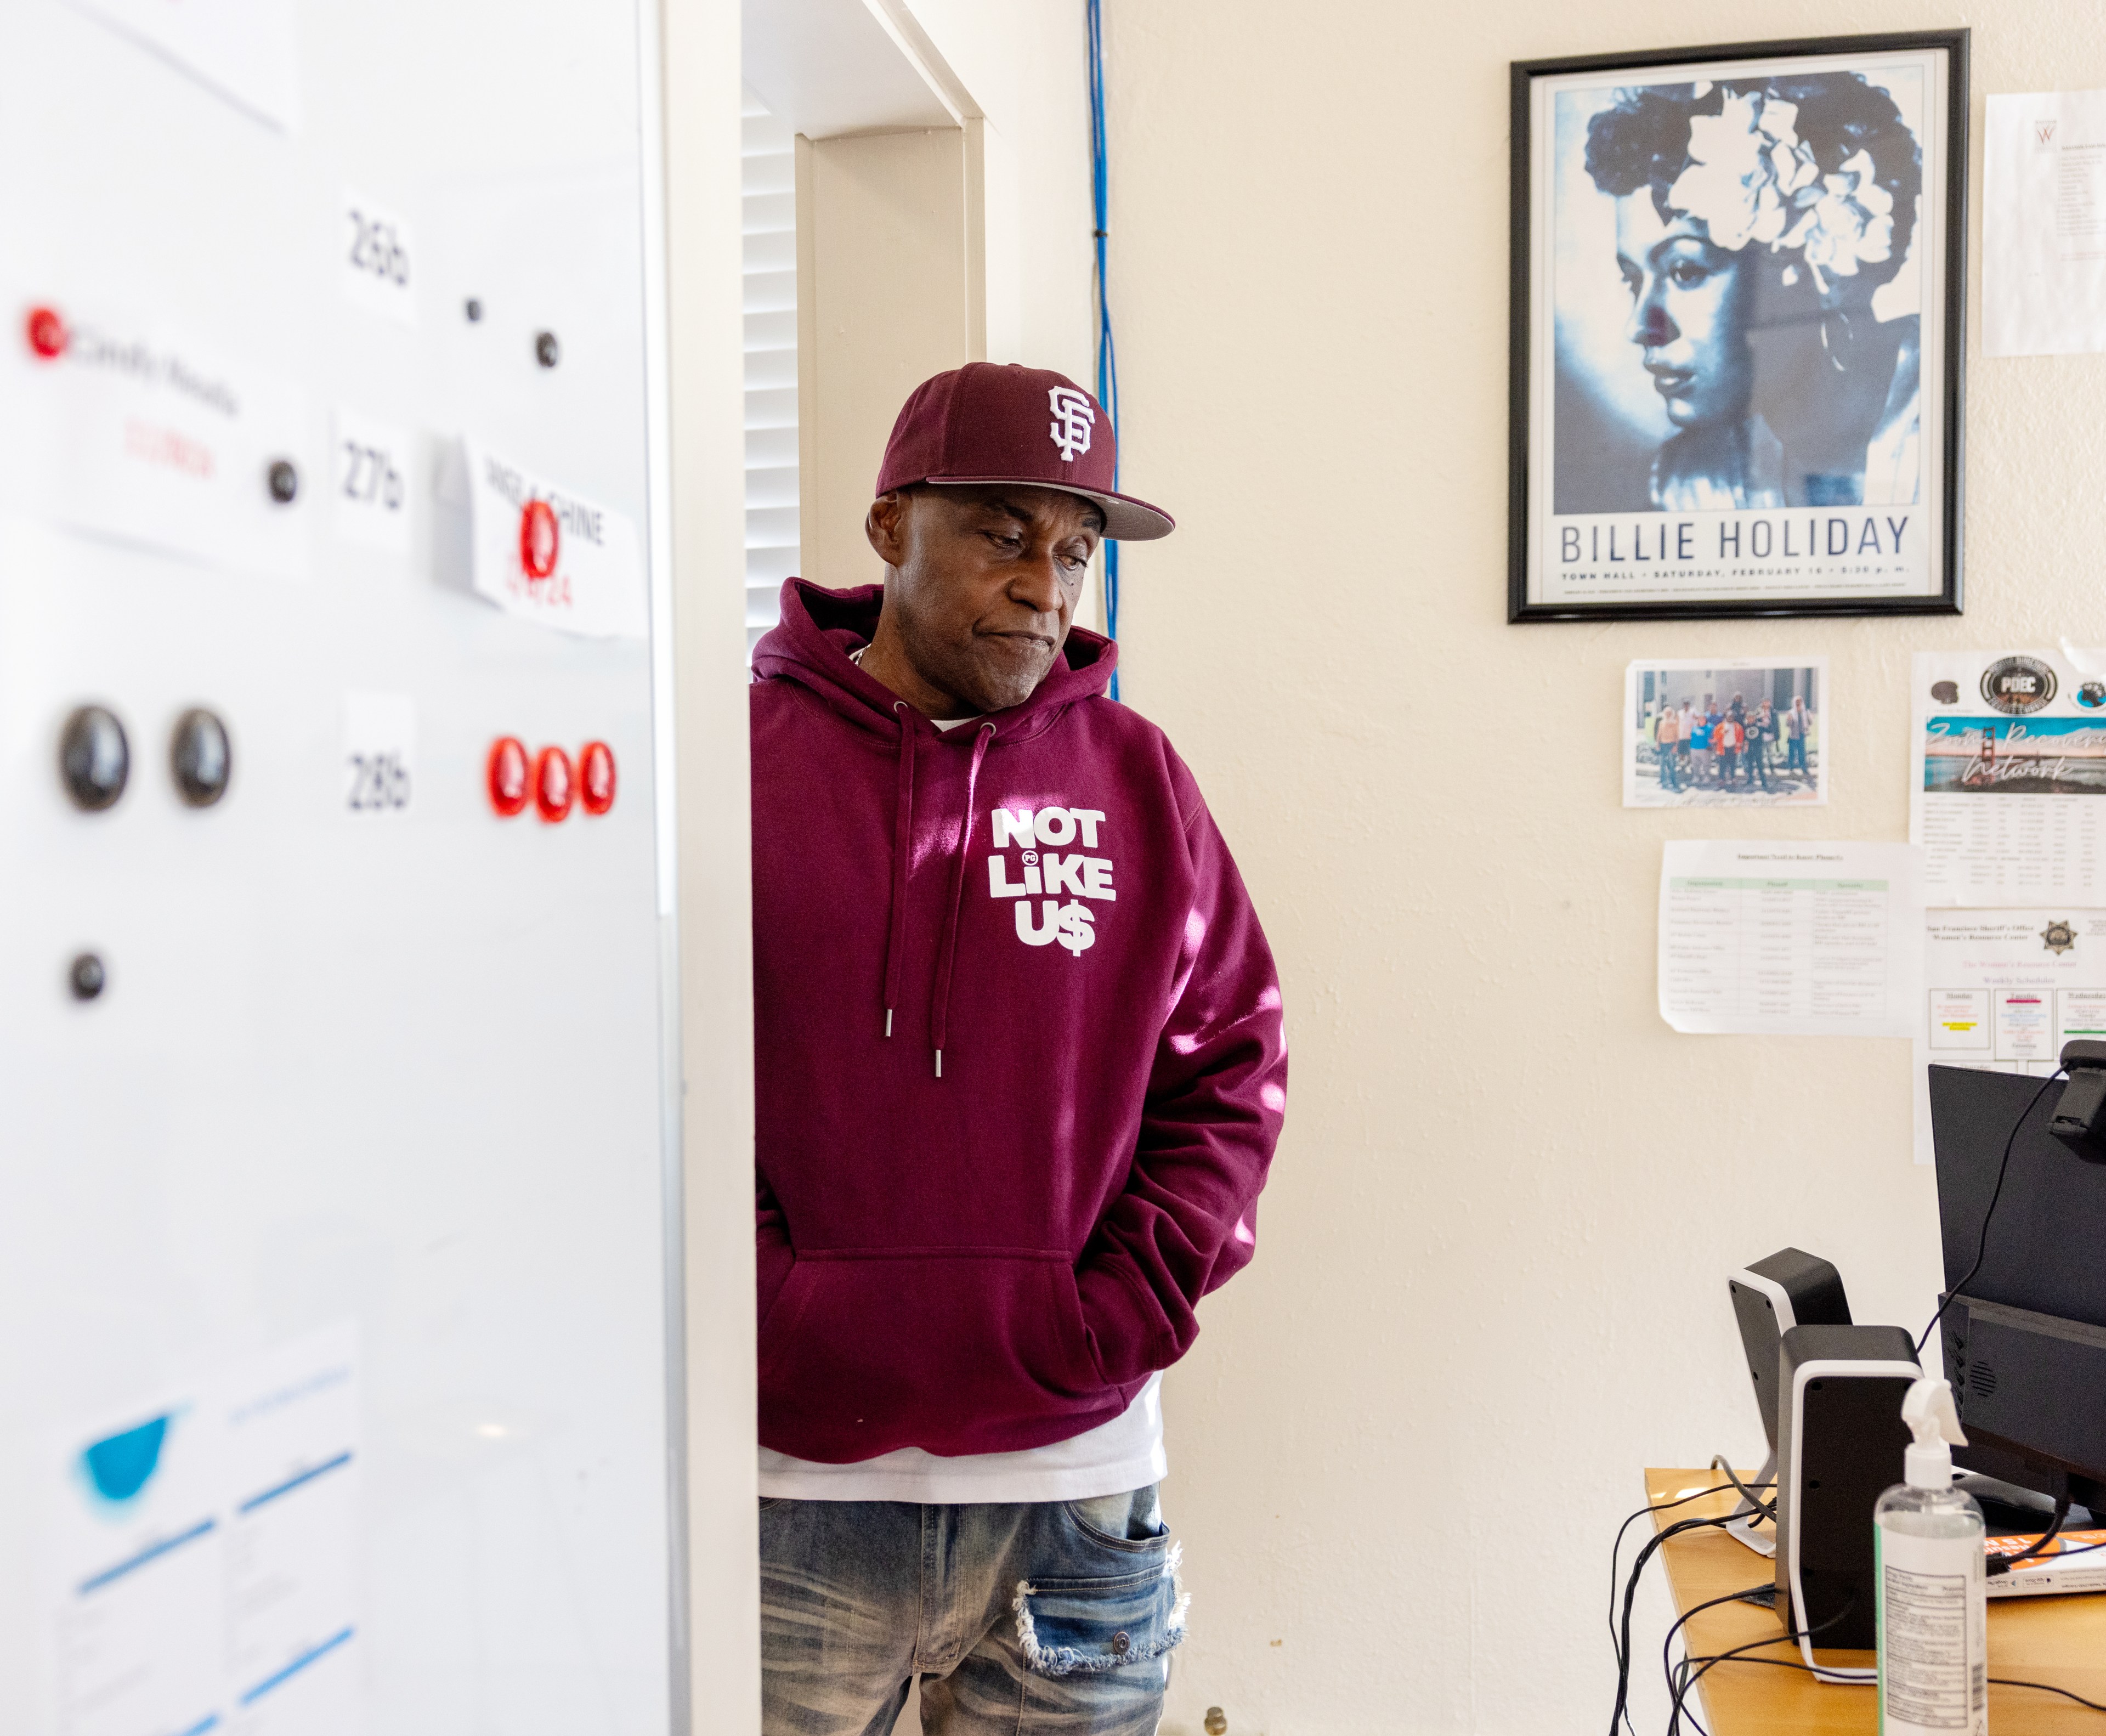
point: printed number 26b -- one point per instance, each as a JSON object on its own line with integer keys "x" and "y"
{"x": 376, "y": 248}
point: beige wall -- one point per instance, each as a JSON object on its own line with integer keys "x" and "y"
{"x": 1490, "y": 1274}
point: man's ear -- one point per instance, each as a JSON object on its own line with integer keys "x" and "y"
{"x": 886, "y": 527}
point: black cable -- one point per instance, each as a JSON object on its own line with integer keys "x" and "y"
{"x": 1666, "y": 1645}
{"x": 2005, "y": 1563}
{"x": 2005, "y": 1681}
{"x": 1982, "y": 1246}
{"x": 1768, "y": 1510}
{"x": 1616, "y": 1549}
{"x": 1712, "y": 1663}
{"x": 1999, "y": 1681}
{"x": 1620, "y": 1714}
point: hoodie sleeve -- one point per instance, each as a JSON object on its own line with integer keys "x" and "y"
{"x": 1186, "y": 1222}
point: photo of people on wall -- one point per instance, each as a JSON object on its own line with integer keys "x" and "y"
{"x": 1736, "y": 734}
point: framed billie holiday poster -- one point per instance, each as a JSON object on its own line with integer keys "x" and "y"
{"x": 1737, "y": 330}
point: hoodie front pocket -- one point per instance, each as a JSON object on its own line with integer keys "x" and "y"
{"x": 956, "y": 1352}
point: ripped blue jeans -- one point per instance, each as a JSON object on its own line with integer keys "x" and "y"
{"x": 1024, "y": 1618}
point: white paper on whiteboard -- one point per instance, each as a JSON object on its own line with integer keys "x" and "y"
{"x": 1791, "y": 938}
{"x": 137, "y": 431}
{"x": 200, "y": 1568}
{"x": 595, "y": 586}
{"x": 247, "y": 51}
{"x": 2044, "y": 224}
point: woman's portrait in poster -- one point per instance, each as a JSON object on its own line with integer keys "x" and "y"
{"x": 1738, "y": 291}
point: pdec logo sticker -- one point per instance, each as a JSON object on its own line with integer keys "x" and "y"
{"x": 2018, "y": 686}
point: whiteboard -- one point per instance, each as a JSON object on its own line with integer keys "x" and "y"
{"x": 337, "y": 1229}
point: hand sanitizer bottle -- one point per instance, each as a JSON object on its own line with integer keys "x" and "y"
{"x": 1932, "y": 1578}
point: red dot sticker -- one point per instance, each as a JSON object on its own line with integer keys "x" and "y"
{"x": 46, "y": 333}
{"x": 596, "y": 778}
{"x": 554, "y": 786}
{"x": 541, "y": 539}
{"x": 508, "y": 776}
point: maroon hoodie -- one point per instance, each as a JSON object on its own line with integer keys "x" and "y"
{"x": 1018, "y": 1056}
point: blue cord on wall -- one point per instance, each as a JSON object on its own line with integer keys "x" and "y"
{"x": 1107, "y": 355}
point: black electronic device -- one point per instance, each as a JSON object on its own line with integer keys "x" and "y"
{"x": 2024, "y": 1327}
{"x": 1840, "y": 1439}
{"x": 2079, "y": 1120}
{"x": 1789, "y": 1288}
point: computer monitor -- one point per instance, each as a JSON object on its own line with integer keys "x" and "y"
{"x": 2025, "y": 1340}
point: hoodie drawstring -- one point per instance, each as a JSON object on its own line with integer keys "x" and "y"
{"x": 902, "y": 841}
{"x": 939, "y": 1004}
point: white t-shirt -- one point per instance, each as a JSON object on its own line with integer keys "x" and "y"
{"x": 1125, "y": 1453}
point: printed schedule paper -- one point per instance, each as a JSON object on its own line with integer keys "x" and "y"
{"x": 2009, "y": 771}
{"x": 2003, "y": 990}
{"x": 1791, "y": 938}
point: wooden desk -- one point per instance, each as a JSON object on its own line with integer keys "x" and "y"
{"x": 2061, "y": 1640}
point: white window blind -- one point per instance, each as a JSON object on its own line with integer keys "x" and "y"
{"x": 768, "y": 185}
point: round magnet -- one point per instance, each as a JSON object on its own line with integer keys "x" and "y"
{"x": 283, "y": 480}
{"x": 508, "y": 776}
{"x": 201, "y": 758}
{"x": 541, "y": 539}
{"x": 546, "y": 350}
{"x": 85, "y": 977}
{"x": 94, "y": 758}
{"x": 596, "y": 778}
{"x": 46, "y": 333}
{"x": 554, "y": 786}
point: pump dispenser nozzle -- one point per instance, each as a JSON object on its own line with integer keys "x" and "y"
{"x": 1931, "y": 1415}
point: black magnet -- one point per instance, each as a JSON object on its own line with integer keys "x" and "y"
{"x": 546, "y": 350}
{"x": 94, "y": 758}
{"x": 86, "y": 976}
{"x": 201, "y": 758}
{"x": 472, "y": 307}
{"x": 284, "y": 480}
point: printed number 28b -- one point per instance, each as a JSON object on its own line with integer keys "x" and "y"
{"x": 380, "y": 782}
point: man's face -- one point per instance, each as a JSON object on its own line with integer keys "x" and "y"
{"x": 983, "y": 583}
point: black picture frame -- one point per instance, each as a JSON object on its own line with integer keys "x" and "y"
{"x": 1538, "y": 386}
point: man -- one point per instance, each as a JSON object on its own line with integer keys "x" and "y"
{"x": 1699, "y": 737}
{"x": 1796, "y": 722}
{"x": 1019, "y": 1072}
{"x": 1667, "y": 738}
{"x": 1725, "y": 748}
{"x": 1761, "y": 731}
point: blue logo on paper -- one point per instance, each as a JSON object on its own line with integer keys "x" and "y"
{"x": 120, "y": 1465}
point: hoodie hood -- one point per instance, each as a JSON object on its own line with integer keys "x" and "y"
{"x": 820, "y": 627}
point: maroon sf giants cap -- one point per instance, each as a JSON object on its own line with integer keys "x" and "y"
{"x": 997, "y": 422}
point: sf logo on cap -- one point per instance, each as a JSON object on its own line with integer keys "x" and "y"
{"x": 1073, "y": 417}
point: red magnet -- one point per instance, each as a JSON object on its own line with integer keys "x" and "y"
{"x": 541, "y": 539}
{"x": 596, "y": 776}
{"x": 46, "y": 333}
{"x": 554, "y": 786}
{"x": 508, "y": 776}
